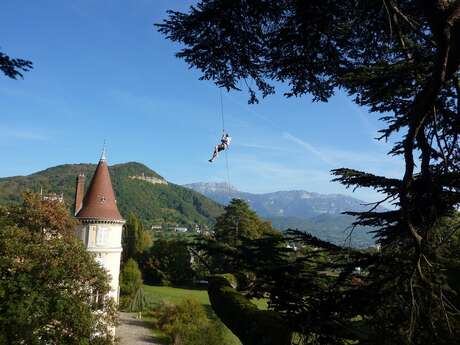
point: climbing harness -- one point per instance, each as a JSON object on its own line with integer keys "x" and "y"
{"x": 225, "y": 142}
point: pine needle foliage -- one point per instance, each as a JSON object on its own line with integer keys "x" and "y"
{"x": 398, "y": 59}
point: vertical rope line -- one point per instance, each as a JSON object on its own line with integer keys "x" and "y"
{"x": 223, "y": 132}
{"x": 228, "y": 174}
{"x": 222, "y": 110}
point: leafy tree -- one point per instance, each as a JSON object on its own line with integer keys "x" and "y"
{"x": 397, "y": 58}
{"x": 12, "y": 67}
{"x": 168, "y": 262}
{"x": 130, "y": 278}
{"x": 48, "y": 281}
{"x": 135, "y": 239}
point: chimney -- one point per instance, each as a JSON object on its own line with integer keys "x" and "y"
{"x": 79, "y": 193}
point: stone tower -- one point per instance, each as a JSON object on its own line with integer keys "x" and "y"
{"x": 100, "y": 222}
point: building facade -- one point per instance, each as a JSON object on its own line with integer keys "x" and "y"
{"x": 100, "y": 222}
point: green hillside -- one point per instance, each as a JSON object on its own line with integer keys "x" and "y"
{"x": 154, "y": 203}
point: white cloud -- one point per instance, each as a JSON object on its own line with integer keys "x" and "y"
{"x": 262, "y": 147}
{"x": 377, "y": 161}
{"x": 253, "y": 174}
{"x": 308, "y": 147}
{"x": 266, "y": 176}
{"x": 23, "y": 134}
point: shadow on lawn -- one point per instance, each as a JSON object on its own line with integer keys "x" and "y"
{"x": 157, "y": 336}
{"x": 139, "y": 322}
{"x": 160, "y": 339}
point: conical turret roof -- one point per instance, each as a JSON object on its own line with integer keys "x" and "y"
{"x": 99, "y": 202}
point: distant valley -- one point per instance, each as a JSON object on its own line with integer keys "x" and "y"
{"x": 319, "y": 214}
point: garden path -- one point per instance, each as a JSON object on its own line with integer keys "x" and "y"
{"x": 132, "y": 331}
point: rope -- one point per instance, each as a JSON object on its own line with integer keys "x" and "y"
{"x": 228, "y": 173}
{"x": 222, "y": 110}
{"x": 223, "y": 132}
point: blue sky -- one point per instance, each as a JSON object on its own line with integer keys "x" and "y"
{"x": 102, "y": 71}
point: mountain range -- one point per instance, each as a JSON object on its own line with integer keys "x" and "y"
{"x": 319, "y": 214}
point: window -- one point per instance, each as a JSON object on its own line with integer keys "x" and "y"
{"x": 101, "y": 236}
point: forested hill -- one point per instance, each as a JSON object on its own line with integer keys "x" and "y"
{"x": 155, "y": 203}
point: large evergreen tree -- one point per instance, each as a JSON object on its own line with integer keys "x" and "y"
{"x": 237, "y": 222}
{"x": 237, "y": 225}
{"x": 397, "y": 58}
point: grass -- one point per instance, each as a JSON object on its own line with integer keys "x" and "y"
{"x": 158, "y": 294}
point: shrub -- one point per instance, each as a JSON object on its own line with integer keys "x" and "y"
{"x": 130, "y": 279}
{"x": 187, "y": 324}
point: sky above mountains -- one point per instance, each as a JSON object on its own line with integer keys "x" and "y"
{"x": 103, "y": 72}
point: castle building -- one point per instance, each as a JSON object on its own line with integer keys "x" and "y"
{"x": 100, "y": 222}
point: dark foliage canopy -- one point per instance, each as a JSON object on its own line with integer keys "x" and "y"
{"x": 399, "y": 59}
{"x": 13, "y": 68}
{"x": 167, "y": 262}
{"x": 234, "y": 227}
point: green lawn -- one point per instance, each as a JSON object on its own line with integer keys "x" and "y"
{"x": 157, "y": 294}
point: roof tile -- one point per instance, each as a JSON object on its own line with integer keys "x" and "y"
{"x": 99, "y": 202}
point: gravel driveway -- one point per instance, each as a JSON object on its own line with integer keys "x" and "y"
{"x": 132, "y": 331}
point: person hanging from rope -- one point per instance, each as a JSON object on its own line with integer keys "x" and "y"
{"x": 224, "y": 144}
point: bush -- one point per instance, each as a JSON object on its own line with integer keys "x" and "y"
{"x": 187, "y": 324}
{"x": 124, "y": 302}
{"x": 130, "y": 279}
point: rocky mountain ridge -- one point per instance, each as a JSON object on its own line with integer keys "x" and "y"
{"x": 291, "y": 203}
{"x": 318, "y": 214}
